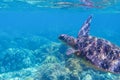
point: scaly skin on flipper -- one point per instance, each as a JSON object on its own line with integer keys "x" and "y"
{"x": 98, "y": 52}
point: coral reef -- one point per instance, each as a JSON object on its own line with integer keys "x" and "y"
{"x": 52, "y": 71}
{"x": 75, "y": 68}
{"x": 15, "y": 59}
{"x": 37, "y": 58}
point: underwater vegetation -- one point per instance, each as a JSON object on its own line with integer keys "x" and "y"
{"x": 37, "y": 58}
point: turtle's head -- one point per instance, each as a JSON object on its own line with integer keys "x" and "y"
{"x": 69, "y": 40}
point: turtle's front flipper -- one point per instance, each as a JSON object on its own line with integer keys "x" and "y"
{"x": 71, "y": 51}
{"x": 84, "y": 31}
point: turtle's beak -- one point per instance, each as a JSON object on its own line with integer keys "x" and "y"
{"x": 62, "y": 37}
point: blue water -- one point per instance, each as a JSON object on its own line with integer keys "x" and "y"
{"x": 29, "y": 44}
{"x": 54, "y": 22}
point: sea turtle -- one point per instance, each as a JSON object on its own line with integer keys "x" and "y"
{"x": 99, "y": 52}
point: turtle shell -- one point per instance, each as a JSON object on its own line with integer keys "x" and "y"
{"x": 100, "y": 53}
